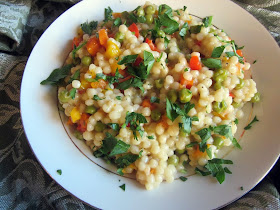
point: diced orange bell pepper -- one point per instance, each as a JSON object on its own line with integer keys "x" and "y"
{"x": 103, "y": 37}
{"x": 186, "y": 83}
{"x": 82, "y": 123}
{"x": 99, "y": 84}
{"x": 195, "y": 63}
{"x": 76, "y": 41}
{"x": 93, "y": 46}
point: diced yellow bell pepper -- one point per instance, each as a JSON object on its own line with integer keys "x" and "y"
{"x": 112, "y": 50}
{"x": 75, "y": 115}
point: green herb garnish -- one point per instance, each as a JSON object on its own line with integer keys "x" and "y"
{"x": 59, "y": 171}
{"x": 183, "y": 178}
{"x": 75, "y": 76}
{"x": 154, "y": 99}
{"x": 207, "y": 21}
{"x": 184, "y": 30}
{"x": 97, "y": 98}
{"x": 89, "y": 27}
{"x": 57, "y": 75}
{"x": 123, "y": 187}
{"x": 250, "y": 124}
{"x": 117, "y": 22}
{"x": 108, "y": 14}
{"x": 217, "y": 51}
{"x": 119, "y": 98}
{"x": 72, "y": 93}
{"x": 212, "y": 63}
{"x": 151, "y": 137}
{"x": 134, "y": 120}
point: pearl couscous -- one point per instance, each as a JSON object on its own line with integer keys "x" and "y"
{"x": 154, "y": 90}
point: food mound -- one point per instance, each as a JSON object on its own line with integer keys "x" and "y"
{"x": 155, "y": 90}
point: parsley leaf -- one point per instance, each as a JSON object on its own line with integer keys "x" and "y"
{"x": 126, "y": 160}
{"x": 227, "y": 170}
{"x": 209, "y": 152}
{"x": 133, "y": 82}
{"x": 75, "y": 76}
{"x": 72, "y": 93}
{"x": 170, "y": 24}
{"x": 207, "y": 21}
{"x": 250, "y": 124}
{"x": 148, "y": 61}
{"x": 59, "y": 171}
{"x": 134, "y": 120}
{"x": 97, "y": 98}
{"x": 151, "y": 137}
{"x": 76, "y": 49}
{"x": 123, "y": 187}
{"x": 191, "y": 144}
{"x": 89, "y": 27}
{"x": 202, "y": 173}
{"x": 128, "y": 59}
{"x": 108, "y": 14}
{"x": 114, "y": 126}
{"x": 184, "y": 8}
{"x": 158, "y": 59}
{"x": 255, "y": 61}
{"x": 183, "y": 178}
{"x": 56, "y": 75}
{"x": 204, "y": 134}
{"x": 195, "y": 29}
{"x": 184, "y": 30}
{"x": 164, "y": 9}
{"x": 171, "y": 110}
{"x": 119, "y": 171}
{"x": 217, "y": 51}
{"x": 154, "y": 99}
{"x": 119, "y": 98}
{"x": 117, "y": 22}
{"x": 120, "y": 148}
{"x": 236, "y": 121}
{"x": 212, "y": 63}
{"x": 166, "y": 42}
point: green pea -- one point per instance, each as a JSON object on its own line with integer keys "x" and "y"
{"x": 172, "y": 95}
{"x": 185, "y": 95}
{"x": 91, "y": 109}
{"x": 150, "y": 10}
{"x": 119, "y": 37}
{"x": 159, "y": 83}
{"x": 140, "y": 11}
{"x": 179, "y": 151}
{"x": 220, "y": 75}
{"x": 219, "y": 106}
{"x": 218, "y": 142}
{"x": 174, "y": 160}
{"x": 64, "y": 96}
{"x": 256, "y": 98}
{"x": 86, "y": 60}
{"x": 240, "y": 85}
{"x": 160, "y": 33}
{"x": 99, "y": 126}
{"x": 155, "y": 115}
{"x": 149, "y": 19}
{"x": 78, "y": 135}
{"x": 218, "y": 85}
{"x": 235, "y": 105}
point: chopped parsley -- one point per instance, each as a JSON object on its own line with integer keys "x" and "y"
{"x": 191, "y": 144}
{"x": 195, "y": 29}
{"x": 133, "y": 120}
{"x": 158, "y": 59}
{"x": 57, "y": 75}
{"x": 128, "y": 59}
{"x": 204, "y": 134}
{"x": 75, "y": 76}
{"x": 183, "y": 178}
{"x": 88, "y": 27}
{"x": 212, "y": 63}
{"x": 236, "y": 121}
{"x": 215, "y": 168}
{"x": 174, "y": 110}
{"x": 185, "y": 8}
{"x": 97, "y": 98}
{"x": 151, "y": 137}
{"x": 249, "y": 126}
{"x": 209, "y": 152}
{"x": 255, "y": 61}
{"x": 170, "y": 25}
{"x": 241, "y": 188}
{"x": 217, "y": 51}
{"x": 117, "y": 22}
{"x": 123, "y": 187}
{"x": 114, "y": 126}
{"x": 59, "y": 171}
{"x": 154, "y": 99}
{"x": 76, "y": 48}
{"x": 184, "y": 30}
{"x": 119, "y": 98}
{"x": 207, "y": 21}
{"x": 108, "y": 14}
{"x": 166, "y": 42}
{"x": 72, "y": 93}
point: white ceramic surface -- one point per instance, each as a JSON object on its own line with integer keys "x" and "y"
{"x": 99, "y": 188}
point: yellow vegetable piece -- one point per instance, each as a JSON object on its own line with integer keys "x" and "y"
{"x": 75, "y": 115}
{"x": 112, "y": 50}
{"x": 114, "y": 67}
{"x": 84, "y": 84}
{"x": 80, "y": 32}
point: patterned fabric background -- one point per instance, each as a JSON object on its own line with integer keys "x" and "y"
{"x": 23, "y": 182}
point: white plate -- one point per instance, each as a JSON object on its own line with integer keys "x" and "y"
{"x": 100, "y": 188}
